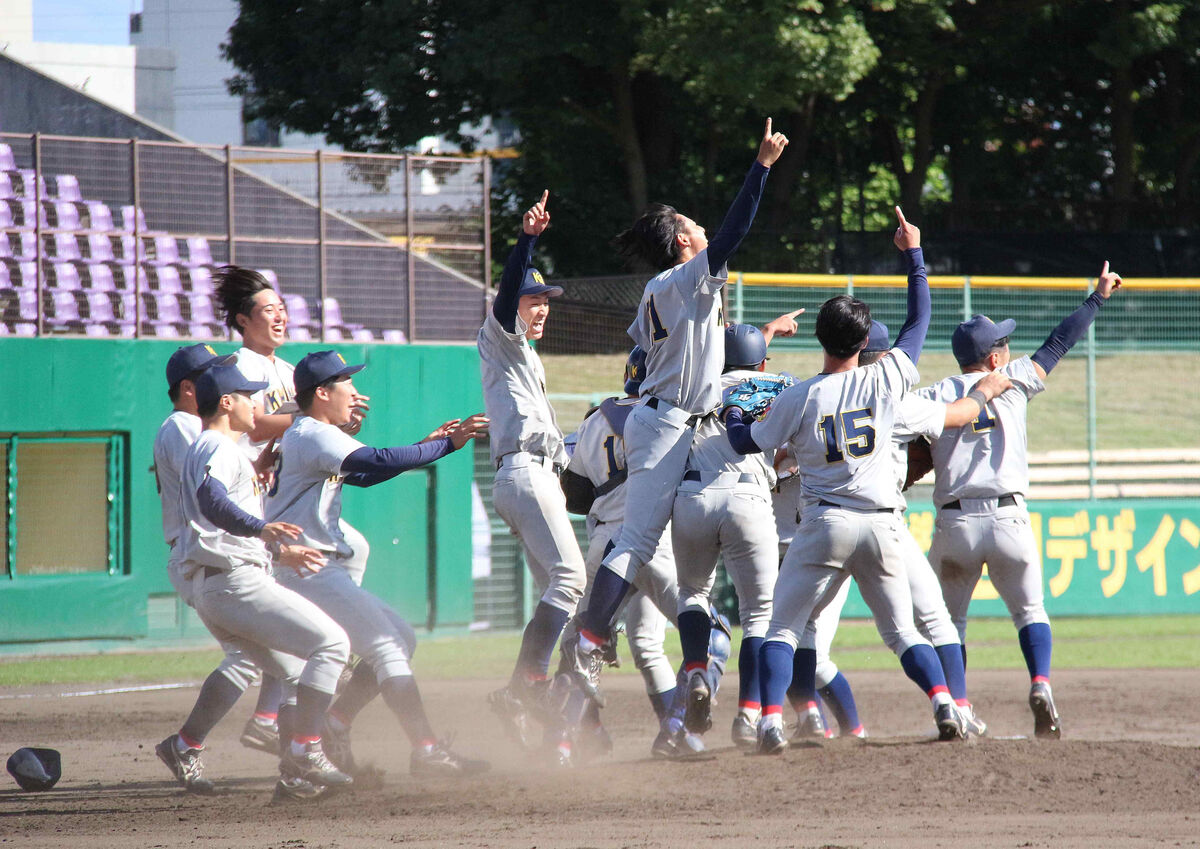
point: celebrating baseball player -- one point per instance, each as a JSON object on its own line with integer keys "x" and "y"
{"x": 527, "y": 448}
{"x": 982, "y": 471}
{"x": 838, "y": 426}
{"x": 679, "y": 325}
{"x": 316, "y": 457}
{"x": 226, "y": 557}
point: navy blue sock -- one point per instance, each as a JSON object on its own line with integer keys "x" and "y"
{"x": 217, "y": 695}
{"x": 662, "y": 703}
{"x": 537, "y": 644}
{"x": 921, "y": 664}
{"x": 796, "y": 692}
{"x": 607, "y": 594}
{"x": 840, "y": 699}
{"x": 964, "y": 654}
{"x": 954, "y": 669}
{"x": 270, "y": 694}
{"x": 694, "y": 628}
{"x": 748, "y": 693}
{"x": 1036, "y": 645}
{"x": 775, "y": 672}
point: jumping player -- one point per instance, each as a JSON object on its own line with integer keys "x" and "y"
{"x": 679, "y": 325}
{"x": 316, "y": 457}
{"x": 227, "y": 559}
{"x": 982, "y": 474}
{"x": 838, "y": 425}
{"x": 527, "y": 449}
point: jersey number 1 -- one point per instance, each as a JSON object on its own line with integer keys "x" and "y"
{"x": 659, "y": 332}
{"x": 858, "y": 435}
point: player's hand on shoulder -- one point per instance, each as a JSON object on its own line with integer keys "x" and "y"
{"x": 907, "y": 235}
{"x": 771, "y": 147}
{"x": 536, "y": 218}
{"x": 275, "y": 533}
{"x": 470, "y": 428}
{"x": 1108, "y": 283}
{"x": 301, "y": 558}
{"x": 993, "y": 384}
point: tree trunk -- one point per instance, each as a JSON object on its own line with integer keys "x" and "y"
{"x": 785, "y": 173}
{"x": 629, "y": 143}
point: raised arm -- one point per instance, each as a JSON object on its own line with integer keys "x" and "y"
{"x": 741, "y": 212}
{"x": 784, "y": 326}
{"x": 1071, "y": 329}
{"x": 911, "y": 338}
{"x": 533, "y": 223}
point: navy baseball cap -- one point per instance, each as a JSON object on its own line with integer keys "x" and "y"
{"x": 974, "y": 339}
{"x": 878, "y": 340}
{"x": 223, "y": 380}
{"x": 194, "y": 358}
{"x": 535, "y": 284}
{"x": 321, "y": 366}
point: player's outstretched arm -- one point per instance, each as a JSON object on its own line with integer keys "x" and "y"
{"x": 784, "y": 326}
{"x": 1071, "y": 329}
{"x": 966, "y": 410}
{"x": 911, "y": 338}
{"x": 215, "y": 505}
{"x": 369, "y": 466}
{"x": 741, "y": 212}
{"x": 533, "y": 223}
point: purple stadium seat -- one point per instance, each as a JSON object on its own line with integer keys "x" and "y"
{"x": 99, "y": 216}
{"x": 161, "y": 250}
{"x": 28, "y": 186}
{"x": 7, "y": 218}
{"x": 128, "y": 215}
{"x": 202, "y": 331}
{"x": 95, "y": 329}
{"x": 165, "y": 278}
{"x": 22, "y": 273}
{"x": 362, "y": 334}
{"x": 63, "y": 306}
{"x": 200, "y": 307}
{"x": 394, "y": 336}
{"x": 125, "y": 247}
{"x": 124, "y": 276}
{"x": 8, "y": 188}
{"x": 200, "y": 280}
{"x": 162, "y": 307}
{"x": 23, "y": 244}
{"x": 100, "y": 306}
{"x": 299, "y": 334}
{"x": 198, "y": 251}
{"x": 165, "y": 331}
{"x": 66, "y": 215}
{"x": 333, "y": 313}
{"x": 99, "y": 248}
{"x": 100, "y": 277}
{"x": 271, "y": 277}
{"x": 66, "y": 187}
{"x": 27, "y": 302}
{"x": 7, "y": 161}
{"x": 297, "y": 309}
{"x": 63, "y": 246}
{"x": 62, "y": 275}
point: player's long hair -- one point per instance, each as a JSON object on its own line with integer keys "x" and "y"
{"x": 649, "y": 245}
{"x": 843, "y": 326}
{"x": 236, "y": 288}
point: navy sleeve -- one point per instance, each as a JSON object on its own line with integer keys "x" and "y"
{"x": 1069, "y": 331}
{"x": 738, "y": 219}
{"x": 738, "y": 431}
{"x": 369, "y": 466}
{"x": 215, "y": 505}
{"x": 911, "y": 338}
{"x": 507, "y": 299}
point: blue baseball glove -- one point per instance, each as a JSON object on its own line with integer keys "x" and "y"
{"x": 755, "y": 395}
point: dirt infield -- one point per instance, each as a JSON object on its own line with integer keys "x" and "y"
{"x": 1126, "y": 773}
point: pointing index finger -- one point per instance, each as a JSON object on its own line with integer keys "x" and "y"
{"x": 796, "y": 313}
{"x": 767, "y": 131}
{"x": 900, "y": 217}
{"x": 1104, "y": 270}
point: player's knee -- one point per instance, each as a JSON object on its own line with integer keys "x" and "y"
{"x": 827, "y": 670}
{"x": 240, "y": 671}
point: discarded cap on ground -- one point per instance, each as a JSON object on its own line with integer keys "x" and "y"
{"x": 35, "y": 769}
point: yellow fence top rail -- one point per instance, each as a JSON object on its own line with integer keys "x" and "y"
{"x": 889, "y": 281}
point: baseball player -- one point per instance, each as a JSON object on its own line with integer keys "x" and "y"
{"x": 226, "y": 557}
{"x": 252, "y": 308}
{"x": 316, "y": 457}
{"x": 679, "y": 325}
{"x": 593, "y": 483}
{"x": 838, "y": 425}
{"x": 527, "y": 448}
{"x": 982, "y": 474}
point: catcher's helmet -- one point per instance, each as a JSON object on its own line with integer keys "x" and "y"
{"x": 635, "y": 370}
{"x": 35, "y": 769}
{"x": 745, "y": 346}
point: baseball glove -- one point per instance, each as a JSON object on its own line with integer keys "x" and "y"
{"x": 920, "y": 461}
{"x": 755, "y": 395}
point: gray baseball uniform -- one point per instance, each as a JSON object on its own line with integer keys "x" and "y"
{"x": 278, "y": 375}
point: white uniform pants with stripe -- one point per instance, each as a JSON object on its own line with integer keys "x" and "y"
{"x": 378, "y": 634}
{"x": 235, "y": 665}
{"x": 529, "y": 498}
{"x": 983, "y": 532}
{"x": 281, "y": 631}
{"x": 719, "y": 514}
{"x": 830, "y": 544}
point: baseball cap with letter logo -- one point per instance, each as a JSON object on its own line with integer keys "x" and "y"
{"x": 535, "y": 284}
{"x": 192, "y": 359}
{"x": 320, "y": 366}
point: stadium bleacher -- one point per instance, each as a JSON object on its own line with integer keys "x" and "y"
{"x": 95, "y": 260}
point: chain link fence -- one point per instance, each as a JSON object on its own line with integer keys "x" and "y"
{"x": 115, "y": 237}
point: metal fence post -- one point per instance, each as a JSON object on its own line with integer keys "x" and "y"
{"x": 229, "y": 241}
{"x": 1091, "y": 409}
{"x": 411, "y": 265}
{"x": 321, "y": 284}
{"x": 40, "y": 276}
{"x": 487, "y": 236}
{"x": 850, "y": 284}
{"x": 136, "y": 196}
{"x": 967, "y": 298}
{"x": 739, "y": 305}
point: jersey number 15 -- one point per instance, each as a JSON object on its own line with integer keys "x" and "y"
{"x": 857, "y": 435}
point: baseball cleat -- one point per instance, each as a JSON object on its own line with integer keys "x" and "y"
{"x": 439, "y": 760}
{"x": 1046, "y": 724}
{"x": 513, "y": 715}
{"x": 586, "y": 667}
{"x": 336, "y": 745}
{"x": 264, "y": 738}
{"x": 296, "y": 790}
{"x": 810, "y": 725}
{"x": 744, "y": 732}
{"x": 949, "y": 721}
{"x": 186, "y": 766}
{"x": 973, "y": 724}
{"x": 698, "y": 716}
{"x": 312, "y": 766}
{"x": 771, "y": 740}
